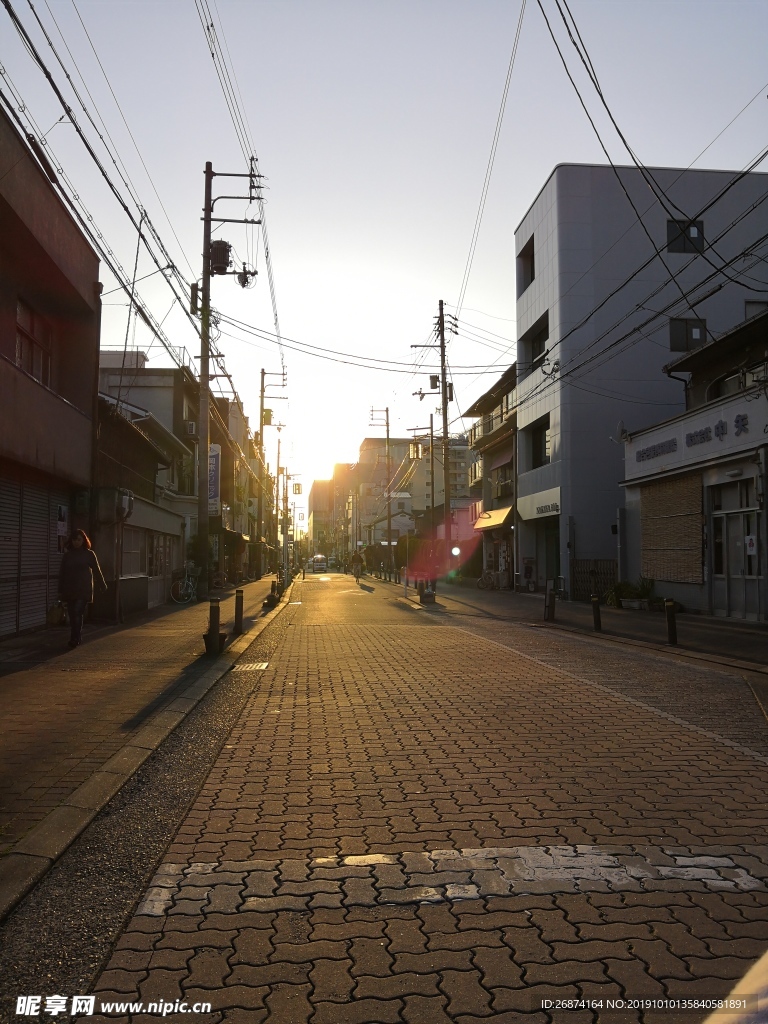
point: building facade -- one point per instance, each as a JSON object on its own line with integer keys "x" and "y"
{"x": 491, "y": 477}
{"x": 696, "y": 520}
{"x": 607, "y": 291}
{"x": 49, "y": 345}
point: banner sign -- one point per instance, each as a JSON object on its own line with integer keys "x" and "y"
{"x": 214, "y": 480}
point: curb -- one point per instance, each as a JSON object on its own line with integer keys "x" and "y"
{"x": 676, "y": 651}
{"x": 34, "y": 854}
{"x": 652, "y": 645}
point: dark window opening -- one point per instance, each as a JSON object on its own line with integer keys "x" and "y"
{"x": 685, "y": 236}
{"x": 686, "y": 335}
{"x": 526, "y": 267}
{"x": 540, "y": 443}
{"x": 532, "y": 346}
{"x": 33, "y": 343}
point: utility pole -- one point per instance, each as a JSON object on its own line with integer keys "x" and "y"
{"x": 445, "y": 390}
{"x": 204, "y": 398}
{"x": 277, "y": 494}
{"x": 204, "y": 401}
{"x": 385, "y": 413}
{"x": 432, "y": 489}
{"x": 446, "y": 441}
{"x": 262, "y": 483}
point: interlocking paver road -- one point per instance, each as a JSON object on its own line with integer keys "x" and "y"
{"x": 410, "y": 823}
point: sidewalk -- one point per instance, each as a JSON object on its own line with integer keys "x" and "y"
{"x": 732, "y": 639}
{"x": 402, "y": 828}
{"x": 78, "y": 723}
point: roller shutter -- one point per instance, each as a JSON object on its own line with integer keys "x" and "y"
{"x": 33, "y": 574}
{"x": 10, "y": 534}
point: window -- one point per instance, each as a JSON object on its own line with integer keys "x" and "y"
{"x": 686, "y": 335}
{"x": 754, "y": 309}
{"x": 540, "y": 447}
{"x": 134, "y": 551}
{"x": 532, "y": 346}
{"x": 401, "y": 505}
{"x": 33, "y": 343}
{"x": 685, "y": 236}
{"x": 526, "y": 267}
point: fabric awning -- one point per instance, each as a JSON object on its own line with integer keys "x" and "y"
{"x": 502, "y": 459}
{"x": 494, "y": 519}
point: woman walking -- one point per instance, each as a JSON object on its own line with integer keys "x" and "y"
{"x": 79, "y": 564}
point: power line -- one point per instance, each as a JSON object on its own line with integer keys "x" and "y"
{"x": 489, "y": 168}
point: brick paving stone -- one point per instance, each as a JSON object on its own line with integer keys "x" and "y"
{"x": 224, "y": 998}
{"x": 497, "y": 967}
{"x": 465, "y": 993}
{"x": 405, "y": 937}
{"x": 529, "y": 999}
{"x": 397, "y": 986}
{"x": 437, "y": 960}
{"x": 634, "y": 979}
{"x": 120, "y": 981}
{"x": 370, "y": 957}
{"x": 733, "y": 966}
{"x": 162, "y": 986}
{"x": 171, "y": 959}
{"x": 252, "y": 947}
{"x": 527, "y": 945}
{"x": 616, "y": 829}
{"x": 564, "y": 973}
{"x": 363, "y": 1011}
{"x": 208, "y": 968}
{"x": 331, "y": 980}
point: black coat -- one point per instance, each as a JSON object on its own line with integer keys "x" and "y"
{"x": 76, "y": 575}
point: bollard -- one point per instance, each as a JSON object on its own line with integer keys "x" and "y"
{"x": 669, "y": 609}
{"x": 214, "y": 618}
{"x": 238, "y": 612}
{"x": 549, "y": 608}
{"x": 598, "y": 627}
{"x": 214, "y": 638}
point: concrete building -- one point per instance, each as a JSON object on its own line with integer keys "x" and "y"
{"x": 696, "y": 519}
{"x": 320, "y": 523}
{"x": 49, "y": 345}
{"x": 604, "y": 299}
{"x": 491, "y": 477}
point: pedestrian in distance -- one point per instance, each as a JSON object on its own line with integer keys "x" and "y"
{"x": 79, "y": 567}
{"x": 357, "y": 565}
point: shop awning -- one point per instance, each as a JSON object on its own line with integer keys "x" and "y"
{"x": 501, "y": 459}
{"x": 494, "y": 519}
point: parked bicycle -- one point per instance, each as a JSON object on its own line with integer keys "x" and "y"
{"x": 185, "y": 589}
{"x": 220, "y": 580}
{"x": 488, "y": 580}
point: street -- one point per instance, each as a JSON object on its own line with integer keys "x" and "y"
{"x": 393, "y": 813}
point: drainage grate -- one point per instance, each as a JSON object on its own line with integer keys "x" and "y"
{"x": 251, "y": 666}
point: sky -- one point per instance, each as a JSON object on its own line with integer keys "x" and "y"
{"x": 372, "y": 121}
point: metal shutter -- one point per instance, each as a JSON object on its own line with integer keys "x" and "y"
{"x": 33, "y": 581}
{"x": 10, "y": 518}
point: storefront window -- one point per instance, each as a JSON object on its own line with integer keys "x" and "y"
{"x": 134, "y": 552}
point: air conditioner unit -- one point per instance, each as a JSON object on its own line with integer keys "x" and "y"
{"x": 190, "y": 428}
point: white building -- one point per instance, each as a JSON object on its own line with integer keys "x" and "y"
{"x": 695, "y": 510}
{"x": 601, "y": 308}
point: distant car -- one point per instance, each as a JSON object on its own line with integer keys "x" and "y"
{"x": 332, "y": 562}
{"x": 319, "y": 563}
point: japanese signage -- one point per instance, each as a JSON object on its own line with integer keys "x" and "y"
{"x": 723, "y": 429}
{"x": 214, "y": 480}
{"x": 536, "y": 506}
